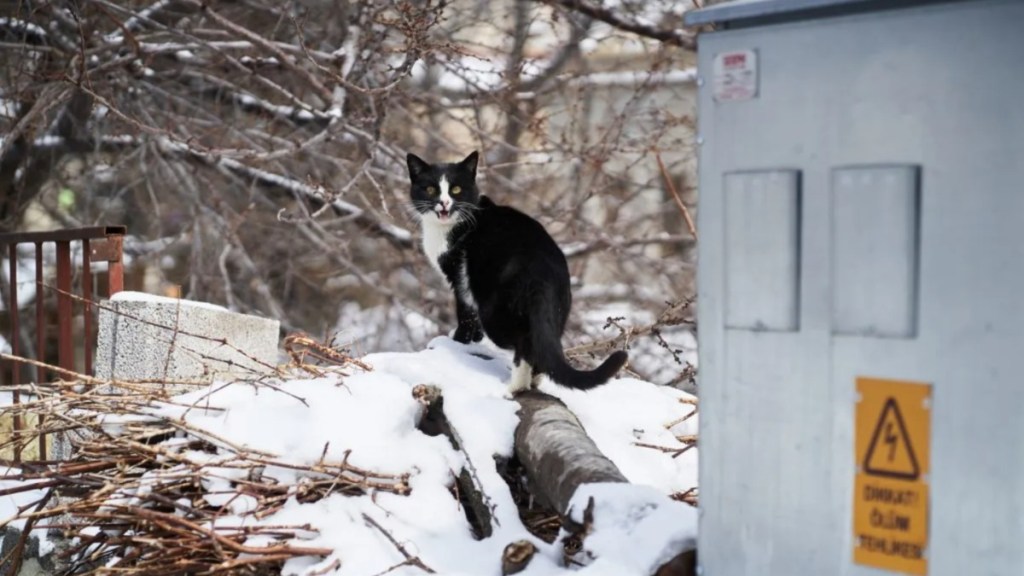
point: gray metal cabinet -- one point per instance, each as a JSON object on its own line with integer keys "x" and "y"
{"x": 861, "y": 216}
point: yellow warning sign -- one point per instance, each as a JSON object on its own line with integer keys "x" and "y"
{"x": 893, "y": 449}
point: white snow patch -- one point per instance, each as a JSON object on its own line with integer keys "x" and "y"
{"x": 22, "y": 26}
{"x": 641, "y": 412}
{"x": 185, "y": 56}
{"x": 632, "y": 78}
{"x": 475, "y": 74}
{"x": 8, "y": 109}
{"x": 636, "y": 529}
{"x": 10, "y": 503}
{"x": 48, "y": 141}
{"x": 368, "y": 419}
{"x": 129, "y": 296}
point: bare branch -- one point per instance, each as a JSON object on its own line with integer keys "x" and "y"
{"x": 672, "y": 37}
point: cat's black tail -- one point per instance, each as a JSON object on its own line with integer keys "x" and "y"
{"x": 564, "y": 374}
{"x": 549, "y": 358}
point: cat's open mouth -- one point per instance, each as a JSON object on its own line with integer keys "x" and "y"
{"x": 443, "y": 215}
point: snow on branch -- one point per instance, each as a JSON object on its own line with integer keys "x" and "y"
{"x": 318, "y": 193}
{"x": 291, "y": 113}
{"x": 672, "y": 37}
{"x": 27, "y": 30}
{"x": 632, "y": 78}
{"x": 219, "y": 159}
{"x": 136, "y": 20}
{"x": 238, "y": 45}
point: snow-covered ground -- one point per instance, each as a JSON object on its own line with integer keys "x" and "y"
{"x": 369, "y": 419}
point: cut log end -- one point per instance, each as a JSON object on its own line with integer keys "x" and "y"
{"x": 517, "y": 556}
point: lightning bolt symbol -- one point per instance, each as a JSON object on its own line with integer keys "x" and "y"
{"x": 890, "y": 439}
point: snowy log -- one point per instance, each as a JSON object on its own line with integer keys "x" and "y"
{"x": 560, "y": 458}
{"x": 470, "y": 491}
{"x": 556, "y": 452}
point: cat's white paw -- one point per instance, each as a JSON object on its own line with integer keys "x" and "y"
{"x": 520, "y": 380}
{"x": 536, "y": 380}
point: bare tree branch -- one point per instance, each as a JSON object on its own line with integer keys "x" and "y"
{"x": 672, "y": 37}
{"x": 256, "y": 150}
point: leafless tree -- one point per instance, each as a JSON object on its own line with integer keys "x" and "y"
{"x": 255, "y": 148}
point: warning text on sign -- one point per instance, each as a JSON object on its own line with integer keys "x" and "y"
{"x": 890, "y": 524}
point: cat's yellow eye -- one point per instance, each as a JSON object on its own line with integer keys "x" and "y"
{"x": 456, "y": 190}
{"x": 431, "y": 190}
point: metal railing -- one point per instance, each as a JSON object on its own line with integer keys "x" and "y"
{"x": 99, "y": 243}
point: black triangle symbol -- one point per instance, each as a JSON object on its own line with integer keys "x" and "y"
{"x": 891, "y": 405}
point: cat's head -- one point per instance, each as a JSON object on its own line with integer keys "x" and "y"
{"x": 443, "y": 193}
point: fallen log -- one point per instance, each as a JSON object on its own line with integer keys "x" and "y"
{"x": 556, "y": 452}
{"x": 470, "y": 492}
{"x": 559, "y": 458}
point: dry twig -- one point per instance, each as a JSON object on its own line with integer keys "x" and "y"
{"x": 300, "y": 346}
{"x": 675, "y": 194}
{"x": 409, "y": 558}
{"x": 689, "y": 496}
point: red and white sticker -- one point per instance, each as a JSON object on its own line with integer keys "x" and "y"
{"x": 735, "y": 76}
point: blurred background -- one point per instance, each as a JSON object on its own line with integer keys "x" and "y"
{"x": 255, "y": 152}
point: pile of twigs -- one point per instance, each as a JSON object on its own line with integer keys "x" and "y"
{"x": 146, "y": 494}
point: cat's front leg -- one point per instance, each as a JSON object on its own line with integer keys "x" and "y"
{"x": 453, "y": 265}
{"x": 468, "y": 329}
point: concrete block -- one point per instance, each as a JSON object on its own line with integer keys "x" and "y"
{"x": 145, "y": 337}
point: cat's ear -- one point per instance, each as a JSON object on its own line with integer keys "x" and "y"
{"x": 469, "y": 162}
{"x": 417, "y": 166}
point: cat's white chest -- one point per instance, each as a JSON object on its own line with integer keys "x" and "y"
{"x": 435, "y": 242}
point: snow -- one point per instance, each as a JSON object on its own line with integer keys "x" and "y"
{"x": 471, "y": 74}
{"x": 641, "y": 410}
{"x": 11, "y": 503}
{"x": 8, "y": 109}
{"x": 279, "y": 110}
{"x": 135, "y": 20}
{"x": 15, "y": 25}
{"x": 185, "y": 56}
{"x": 129, "y": 296}
{"x": 48, "y": 141}
{"x": 474, "y": 74}
{"x": 633, "y": 78}
{"x": 368, "y": 419}
{"x": 634, "y": 527}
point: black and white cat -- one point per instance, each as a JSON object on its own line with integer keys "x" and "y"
{"x": 510, "y": 279}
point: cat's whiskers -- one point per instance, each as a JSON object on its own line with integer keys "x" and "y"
{"x": 467, "y": 216}
{"x": 417, "y": 209}
{"x": 468, "y": 208}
